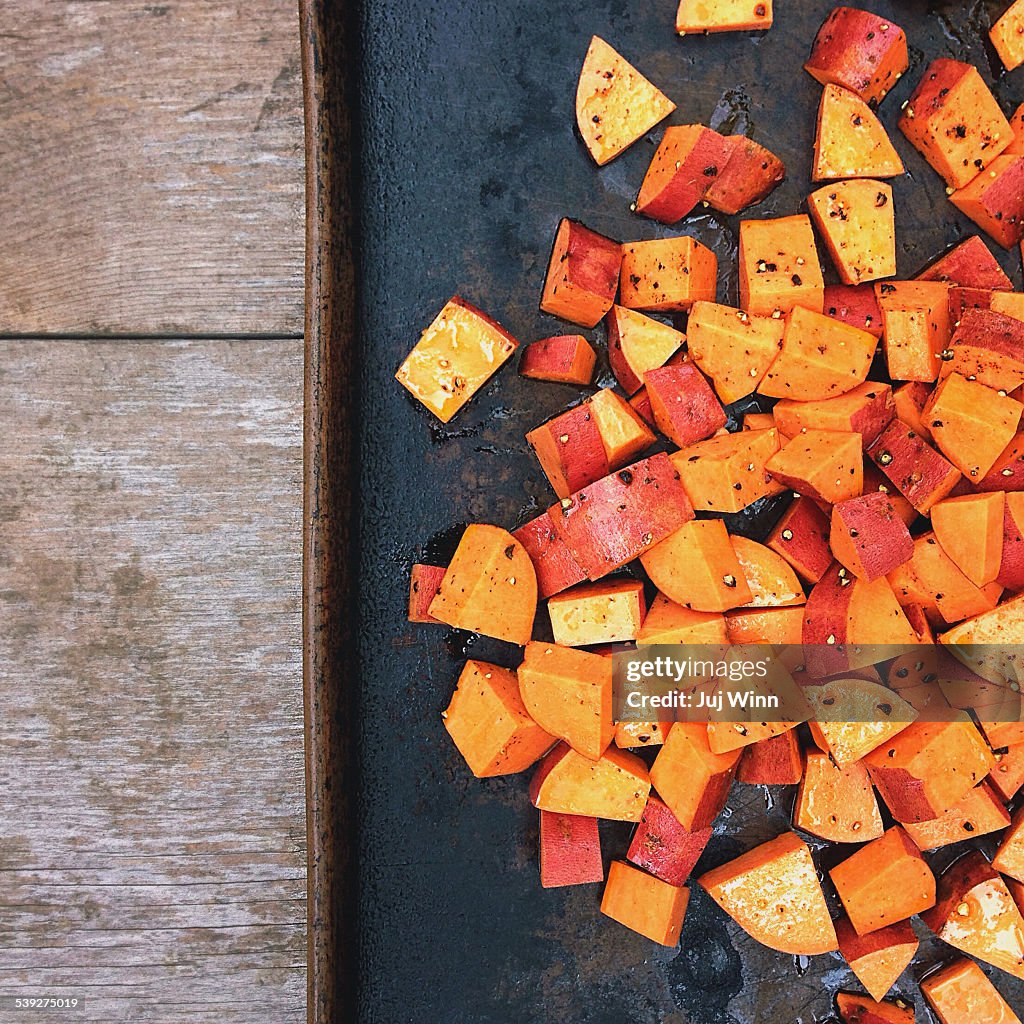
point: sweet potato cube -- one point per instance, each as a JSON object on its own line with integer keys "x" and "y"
{"x": 976, "y": 914}
{"x": 616, "y": 786}
{"x": 868, "y": 537}
{"x": 624, "y": 433}
{"x": 733, "y": 348}
{"x": 751, "y": 173}
{"x": 987, "y": 347}
{"x": 1008, "y": 303}
{"x": 583, "y": 275}
{"x": 917, "y": 327}
{"x": 1017, "y": 125}
{"x": 884, "y": 882}
{"x": 969, "y": 265}
{"x": 727, "y": 473}
{"x": 801, "y": 537}
{"x": 570, "y": 450}
{"x": 970, "y": 531}
{"x": 667, "y": 274}
{"x": 1009, "y": 858}
{"x": 955, "y": 122}
{"x": 645, "y": 904}
{"x": 855, "y": 716}
{"x": 569, "y": 694}
{"x": 979, "y": 813}
{"x": 570, "y": 850}
{"x": 860, "y": 51}
{"x": 1007, "y": 36}
{"x": 856, "y": 1009}
{"x": 875, "y": 480}
{"x": 837, "y": 803}
{"x": 1007, "y": 777}
{"x": 641, "y": 734}
{"x": 490, "y": 725}
{"x": 553, "y": 563}
{"x": 638, "y": 343}
{"x": 772, "y": 892}
{"x": 686, "y": 409}
{"x": 597, "y": 613}
{"x": 820, "y": 358}
{"x": 697, "y": 567}
{"x": 662, "y": 846}
{"x": 691, "y": 779}
{"x": 683, "y": 168}
{"x": 615, "y": 104}
{"x": 766, "y": 625}
{"x": 454, "y": 357}
{"x": 564, "y": 359}
{"x": 620, "y": 517}
{"x": 779, "y": 266}
{"x": 962, "y": 994}
{"x": 851, "y": 142}
{"x": 490, "y": 586}
{"x": 820, "y": 464}
{"x": 1011, "y": 559}
{"x": 918, "y": 471}
{"x": 671, "y": 623}
{"x": 723, "y": 16}
{"x": 994, "y": 199}
{"x": 424, "y": 583}
{"x": 866, "y": 409}
{"x": 857, "y": 220}
{"x": 855, "y": 305}
{"x": 929, "y": 767}
{"x": 772, "y": 582}
{"x": 880, "y": 957}
{"x": 776, "y": 761}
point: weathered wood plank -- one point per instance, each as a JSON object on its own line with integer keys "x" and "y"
{"x": 151, "y": 160}
{"x": 152, "y": 829}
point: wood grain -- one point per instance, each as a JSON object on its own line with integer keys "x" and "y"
{"x": 152, "y": 831}
{"x": 152, "y": 168}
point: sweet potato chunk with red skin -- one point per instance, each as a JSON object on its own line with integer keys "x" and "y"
{"x": 854, "y": 305}
{"x": 779, "y": 266}
{"x": 1017, "y": 124}
{"x": 570, "y": 451}
{"x": 691, "y": 779}
{"x": 638, "y": 343}
{"x": 570, "y": 850}
{"x": 564, "y": 359}
{"x": 490, "y": 725}
{"x": 663, "y": 847}
{"x": 583, "y": 275}
{"x": 860, "y": 51}
{"x": 980, "y": 813}
{"x": 1007, "y": 36}
{"x": 727, "y": 473}
{"x": 772, "y": 892}
{"x": 667, "y": 274}
{"x": 424, "y": 583}
{"x": 917, "y": 326}
{"x": 836, "y": 803}
{"x": 858, "y": 222}
{"x": 855, "y": 1009}
{"x": 976, "y": 914}
{"x": 614, "y": 787}
{"x": 615, "y": 104}
{"x": 929, "y": 767}
{"x": 866, "y": 409}
{"x": 684, "y": 166}
{"x": 962, "y": 994}
{"x": 685, "y": 407}
{"x": 918, "y": 471}
{"x": 820, "y": 358}
{"x": 987, "y": 347}
{"x": 1011, "y": 558}
{"x": 776, "y": 761}
{"x": 868, "y": 537}
{"x": 645, "y": 904}
{"x": 850, "y": 141}
{"x": 750, "y": 175}
{"x": 620, "y": 517}
{"x": 801, "y": 537}
{"x": 884, "y": 882}
{"x": 553, "y": 563}
{"x": 880, "y": 957}
{"x": 969, "y": 265}
{"x": 820, "y": 464}
{"x": 723, "y": 16}
{"x": 963, "y": 300}
{"x": 955, "y": 122}
{"x": 994, "y": 200}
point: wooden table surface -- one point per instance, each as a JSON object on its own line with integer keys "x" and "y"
{"x": 152, "y": 827}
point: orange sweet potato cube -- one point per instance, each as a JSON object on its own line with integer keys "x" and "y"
{"x": 994, "y": 199}
{"x": 962, "y": 994}
{"x": 916, "y": 327}
{"x": 645, "y": 904}
{"x": 606, "y": 612}
{"x": 723, "y": 16}
{"x": 667, "y": 274}
{"x": 564, "y": 359}
{"x": 779, "y": 266}
{"x": 858, "y": 222}
{"x": 1007, "y": 36}
{"x": 583, "y": 275}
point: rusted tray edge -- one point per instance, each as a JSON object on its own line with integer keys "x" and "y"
{"x": 328, "y": 444}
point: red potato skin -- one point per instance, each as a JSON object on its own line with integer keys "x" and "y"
{"x": 777, "y": 761}
{"x": 1002, "y": 202}
{"x": 801, "y": 538}
{"x": 962, "y": 300}
{"x": 918, "y": 471}
{"x": 665, "y": 848}
{"x": 881, "y": 538}
{"x": 585, "y": 269}
{"x": 694, "y": 173}
{"x": 825, "y": 617}
{"x": 970, "y": 265}
{"x": 555, "y": 358}
{"x": 570, "y": 850}
{"x": 686, "y": 408}
{"x": 641, "y": 403}
{"x": 997, "y": 335}
{"x": 1011, "y": 567}
{"x": 869, "y": 421}
{"x": 856, "y": 305}
{"x": 623, "y": 515}
{"x": 1007, "y": 473}
{"x": 575, "y": 436}
{"x": 424, "y": 583}
{"x": 750, "y": 174}
{"x": 556, "y": 569}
